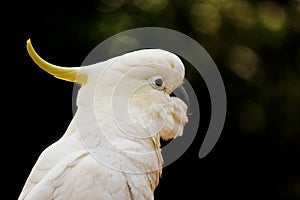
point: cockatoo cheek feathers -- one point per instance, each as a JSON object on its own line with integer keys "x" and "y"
{"x": 175, "y": 117}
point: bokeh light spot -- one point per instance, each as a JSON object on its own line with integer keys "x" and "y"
{"x": 240, "y": 12}
{"x": 243, "y": 61}
{"x": 120, "y": 20}
{"x": 272, "y": 16}
{"x": 205, "y": 17}
{"x": 151, "y": 5}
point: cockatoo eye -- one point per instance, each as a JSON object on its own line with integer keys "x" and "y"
{"x": 157, "y": 83}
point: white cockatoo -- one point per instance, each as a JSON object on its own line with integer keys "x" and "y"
{"x": 111, "y": 149}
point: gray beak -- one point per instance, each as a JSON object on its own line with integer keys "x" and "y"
{"x": 181, "y": 94}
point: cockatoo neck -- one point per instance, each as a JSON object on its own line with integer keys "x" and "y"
{"x": 100, "y": 133}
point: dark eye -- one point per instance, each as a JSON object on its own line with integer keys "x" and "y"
{"x": 159, "y": 82}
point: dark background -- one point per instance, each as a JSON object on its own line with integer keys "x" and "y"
{"x": 255, "y": 45}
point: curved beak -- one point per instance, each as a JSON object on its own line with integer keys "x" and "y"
{"x": 181, "y": 94}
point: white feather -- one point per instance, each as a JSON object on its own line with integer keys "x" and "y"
{"x": 94, "y": 158}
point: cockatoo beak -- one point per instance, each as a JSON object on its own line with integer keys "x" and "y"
{"x": 65, "y": 73}
{"x": 181, "y": 94}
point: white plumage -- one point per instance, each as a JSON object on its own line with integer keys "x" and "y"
{"x": 111, "y": 149}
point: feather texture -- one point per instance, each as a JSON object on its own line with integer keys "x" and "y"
{"x": 102, "y": 156}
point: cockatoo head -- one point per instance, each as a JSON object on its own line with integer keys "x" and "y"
{"x": 133, "y": 90}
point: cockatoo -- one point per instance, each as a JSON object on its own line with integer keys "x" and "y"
{"x": 111, "y": 149}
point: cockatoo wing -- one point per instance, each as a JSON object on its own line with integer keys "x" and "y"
{"x": 65, "y": 170}
{"x": 80, "y": 176}
{"x": 49, "y": 158}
